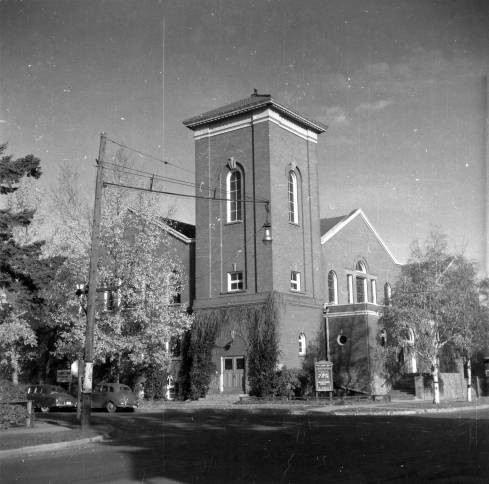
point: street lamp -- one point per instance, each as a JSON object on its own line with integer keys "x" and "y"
{"x": 267, "y": 237}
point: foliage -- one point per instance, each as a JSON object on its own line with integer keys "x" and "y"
{"x": 25, "y": 275}
{"x": 139, "y": 277}
{"x": 15, "y": 335}
{"x": 202, "y": 339}
{"x": 434, "y": 304}
{"x": 155, "y": 383}
{"x": 288, "y": 383}
{"x": 263, "y": 350}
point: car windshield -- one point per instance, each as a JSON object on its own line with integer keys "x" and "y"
{"x": 124, "y": 388}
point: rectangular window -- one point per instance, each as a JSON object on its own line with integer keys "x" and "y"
{"x": 295, "y": 281}
{"x": 349, "y": 283}
{"x": 361, "y": 289}
{"x": 373, "y": 291}
{"x": 228, "y": 363}
{"x": 240, "y": 364}
{"x": 235, "y": 281}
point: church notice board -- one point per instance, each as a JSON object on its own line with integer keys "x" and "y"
{"x": 324, "y": 376}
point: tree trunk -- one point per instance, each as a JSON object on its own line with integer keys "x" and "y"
{"x": 15, "y": 368}
{"x": 436, "y": 386}
{"x": 469, "y": 380}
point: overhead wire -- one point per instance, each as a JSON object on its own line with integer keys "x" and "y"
{"x": 147, "y": 155}
{"x": 185, "y": 195}
{"x": 150, "y": 175}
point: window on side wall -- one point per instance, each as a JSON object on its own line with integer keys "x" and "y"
{"x": 234, "y": 192}
{"x": 235, "y": 281}
{"x": 387, "y": 294}
{"x": 295, "y": 281}
{"x": 373, "y": 291}
{"x": 302, "y": 344}
{"x": 293, "y": 207}
{"x": 349, "y": 287}
{"x": 332, "y": 288}
{"x": 361, "y": 282}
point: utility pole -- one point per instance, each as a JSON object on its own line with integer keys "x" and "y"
{"x": 92, "y": 288}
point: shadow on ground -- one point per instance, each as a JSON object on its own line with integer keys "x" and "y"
{"x": 262, "y": 446}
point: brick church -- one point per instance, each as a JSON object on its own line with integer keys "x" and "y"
{"x": 258, "y": 231}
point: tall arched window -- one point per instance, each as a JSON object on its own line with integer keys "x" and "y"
{"x": 293, "y": 208}
{"x": 387, "y": 294}
{"x": 361, "y": 282}
{"x": 332, "y": 287}
{"x": 234, "y": 189}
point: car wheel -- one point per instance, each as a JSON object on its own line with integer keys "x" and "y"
{"x": 44, "y": 409}
{"x": 110, "y": 407}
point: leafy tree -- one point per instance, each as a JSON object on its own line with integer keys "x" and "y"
{"x": 435, "y": 304}
{"x": 23, "y": 272}
{"x": 139, "y": 279}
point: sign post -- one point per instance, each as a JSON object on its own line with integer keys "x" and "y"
{"x": 324, "y": 376}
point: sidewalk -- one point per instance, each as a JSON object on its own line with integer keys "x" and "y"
{"x": 46, "y": 435}
{"x": 51, "y": 434}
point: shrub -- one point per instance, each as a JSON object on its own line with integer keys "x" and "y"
{"x": 11, "y": 413}
{"x": 263, "y": 349}
{"x": 287, "y": 383}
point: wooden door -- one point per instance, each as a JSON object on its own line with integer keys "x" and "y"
{"x": 234, "y": 374}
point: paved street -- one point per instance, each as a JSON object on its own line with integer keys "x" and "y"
{"x": 241, "y": 446}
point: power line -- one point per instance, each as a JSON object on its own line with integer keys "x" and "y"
{"x": 165, "y": 162}
{"x": 130, "y": 187}
{"x": 146, "y": 174}
{"x": 151, "y": 176}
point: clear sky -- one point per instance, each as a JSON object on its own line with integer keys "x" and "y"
{"x": 400, "y": 83}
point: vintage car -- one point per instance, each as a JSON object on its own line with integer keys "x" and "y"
{"x": 113, "y": 396}
{"x": 48, "y": 397}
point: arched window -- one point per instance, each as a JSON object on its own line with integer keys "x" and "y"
{"x": 361, "y": 282}
{"x": 332, "y": 287}
{"x": 387, "y": 294}
{"x": 234, "y": 190}
{"x": 293, "y": 208}
{"x": 302, "y": 344}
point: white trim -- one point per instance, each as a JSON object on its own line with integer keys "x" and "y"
{"x": 296, "y": 281}
{"x": 221, "y": 376}
{"x": 340, "y": 225}
{"x": 354, "y": 313}
{"x": 292, "y": 177}
{"x": 238, "y": 281}
{"x": 256, "y": 118}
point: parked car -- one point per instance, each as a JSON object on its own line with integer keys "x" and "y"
{"x": 47, "y": 397}
{"x": 112, "y": 396}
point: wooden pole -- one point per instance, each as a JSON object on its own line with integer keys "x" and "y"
{"x": 92, "y": 289}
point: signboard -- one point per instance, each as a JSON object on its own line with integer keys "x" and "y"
{"x": 63, "y": 376}
{"x": 324, "y": 376}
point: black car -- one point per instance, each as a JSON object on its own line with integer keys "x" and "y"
{"x": 48, "y": 397}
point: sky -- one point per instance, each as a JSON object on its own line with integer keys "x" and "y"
{"x": 400, "y": 84}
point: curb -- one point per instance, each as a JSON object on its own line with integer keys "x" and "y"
{"x": 35, "y": 449}
{"x": 419, "y": 411}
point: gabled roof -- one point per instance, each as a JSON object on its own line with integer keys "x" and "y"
{"x": 254, "y": 102}
{"x": 331, "y": 226}
{"x": 181, "y": 230}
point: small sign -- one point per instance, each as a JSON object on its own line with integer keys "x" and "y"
{"x": 324, "y": 376}
{"x": 487, "y": 373}
{"x": 63, "y": 376}
{"x": 88, "y": 373}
